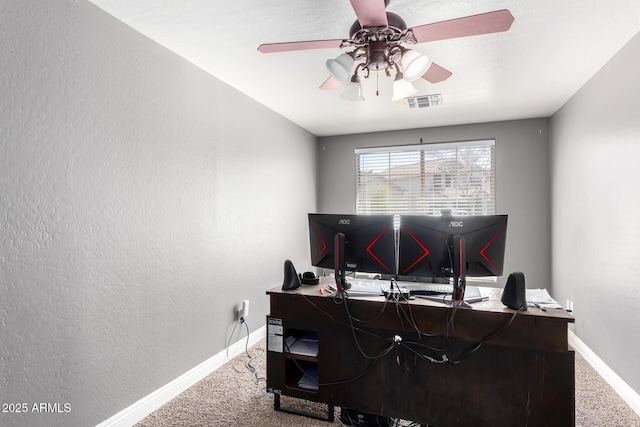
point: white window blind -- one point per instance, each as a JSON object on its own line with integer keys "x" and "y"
{"x": 427, "y": 179}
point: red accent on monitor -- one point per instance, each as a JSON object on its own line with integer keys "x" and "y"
{"x": 370, "y": 252}
{"x": 426, "y": 252}
{"x": 482, "y": 252}
{"x": 324, "y": 245}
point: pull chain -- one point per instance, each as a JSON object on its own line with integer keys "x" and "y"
{"x": 377, "y": 82}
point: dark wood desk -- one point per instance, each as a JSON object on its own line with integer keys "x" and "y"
{"x": 523, "y": 377}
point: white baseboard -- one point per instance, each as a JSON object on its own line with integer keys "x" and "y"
{"x": 628, "y": 394}
{"x": 145, "y": 406}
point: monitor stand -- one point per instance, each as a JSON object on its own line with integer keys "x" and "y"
{"x": 459, "y": 270}
{"x": 339, "y": 264}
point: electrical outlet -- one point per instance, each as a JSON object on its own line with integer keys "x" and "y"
{"x": 242, "y": 311}
{"x": 569, "y": 306}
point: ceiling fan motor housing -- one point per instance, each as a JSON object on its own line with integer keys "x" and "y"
{"x": 378, "y": 41}
{"x": 378, "y": 56}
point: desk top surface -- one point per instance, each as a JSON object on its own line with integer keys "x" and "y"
{"x": 492, "y": 304}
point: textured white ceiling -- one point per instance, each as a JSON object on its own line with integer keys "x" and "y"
{"x": 551, "y": 50}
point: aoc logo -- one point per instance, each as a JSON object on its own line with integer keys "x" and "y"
{"x": 344, "y": 222}
{"x": 456, "y": 224}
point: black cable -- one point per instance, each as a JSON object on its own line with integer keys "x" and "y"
{"x": 420, "y": 334}
{"x": 485, "y": 339}
{"x": 410, "y": 319}
{"x": 248, "y": 364}
{"x": 384, "y": 306}
{"x": 462, "y": 356}
{"x": 399, "y": 308}
{"x": 339, "y": 382}
{"x": 357, "y": 342}
{"x": 336, "y": 320}
{"x": 425, "y": 357}
{"x": 438, "y": 349}
{"x": 230, "y": 338}
{"x": 431, "y": 334}
{"x": 398, "y": 342}
{"x": 344, "y": 300}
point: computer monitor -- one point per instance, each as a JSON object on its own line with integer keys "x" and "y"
{"x": 368, "y": 242}
{"x": 452, "y": 246}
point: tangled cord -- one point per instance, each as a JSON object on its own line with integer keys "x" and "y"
{"x": 248, "y": 364}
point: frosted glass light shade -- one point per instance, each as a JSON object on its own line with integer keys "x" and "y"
{"x": 402, "y": 89}
{"x": 340, "y": 68}
{"x": 415, "y": 65}
{"x": 353, "y": 90}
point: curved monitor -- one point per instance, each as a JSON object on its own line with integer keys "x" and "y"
{"x": 431, "y": 246}
{"x": 369, "y": 242}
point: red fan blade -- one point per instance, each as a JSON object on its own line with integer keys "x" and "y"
{"x": 485, "y": 23}
{"x": 291, "y": 46}
{"x": 436, "y": 74}
{"x": 330, "y": 84}
{"x": 370, "y": 13}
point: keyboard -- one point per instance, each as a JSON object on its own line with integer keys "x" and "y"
{"x": 416, "y": 288}
{"x": 433, "y": 291}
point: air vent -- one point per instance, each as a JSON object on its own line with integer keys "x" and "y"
{"x": 425, "y": 101}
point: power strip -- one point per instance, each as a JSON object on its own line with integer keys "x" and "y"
{"x": 396, "y": 294}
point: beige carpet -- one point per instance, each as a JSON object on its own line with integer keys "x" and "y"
{"x": 234, "y": 396}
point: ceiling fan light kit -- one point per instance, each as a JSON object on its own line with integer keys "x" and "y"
{"x": 377, "y": 42}
{"x": 402, "y": 88}
{"x": 353, "y": 90}
{"x": 415, "y": 65}
{"x": 340, "y": 67}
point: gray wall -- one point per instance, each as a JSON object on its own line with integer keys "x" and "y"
{"x": 522, "y": 182}
{"x": 138, "y": 206}
{"x": 595, "y": 150}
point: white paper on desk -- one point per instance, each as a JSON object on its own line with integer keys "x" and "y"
{"x": 542, "y": 298}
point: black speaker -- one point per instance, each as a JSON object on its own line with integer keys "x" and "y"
{"x": 514, "y": 294}
{"x": 291, "y": 279}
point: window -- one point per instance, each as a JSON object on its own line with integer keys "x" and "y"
{"x": 426, "y": 179}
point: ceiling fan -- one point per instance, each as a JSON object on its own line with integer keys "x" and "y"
{"x": 377, "y": 42}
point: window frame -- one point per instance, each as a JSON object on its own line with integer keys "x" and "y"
{"x": 442, "y": 180}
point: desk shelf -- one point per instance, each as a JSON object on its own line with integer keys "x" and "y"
{"x": 293, "y": 370}
{"x": 301, "y": 359}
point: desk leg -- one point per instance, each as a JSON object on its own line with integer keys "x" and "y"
{"x": 329, "y": 417}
